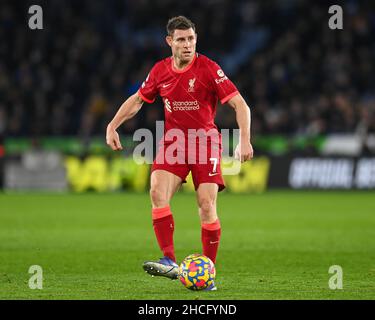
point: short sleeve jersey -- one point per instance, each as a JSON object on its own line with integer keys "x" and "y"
{"x": 189, "y": 95}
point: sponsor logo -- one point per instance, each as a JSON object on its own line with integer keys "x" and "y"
{"x": 185, "y": 105}
{"x": 332, "y": 173}
{"x": 221, "y": 79}
{"x": 213, "y": 174}
{"x": 166, "y": 85}
{"x": 222, "y": 76}
{"x": 191, "y": 85}
{"x": 321, "y": 173}
{"x": 181, "y": 105}
{"x": 220, "y": 73}
{"x": 167, "y": 105}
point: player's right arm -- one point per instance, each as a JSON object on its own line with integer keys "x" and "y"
{"x": 127, "y": 111}
{"x": 146, "y": 93}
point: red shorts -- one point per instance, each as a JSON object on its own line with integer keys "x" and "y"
{"x": 204, "y": 165}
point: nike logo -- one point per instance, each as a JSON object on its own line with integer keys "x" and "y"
{"x": 213, "y": 174}
{"x": 213, "y": 242}
{"x": 166, "y": 85}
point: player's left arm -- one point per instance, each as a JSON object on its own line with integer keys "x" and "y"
{"x": 244, "y": 150}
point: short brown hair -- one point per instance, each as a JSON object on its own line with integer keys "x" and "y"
{"x": 179, "y": 22}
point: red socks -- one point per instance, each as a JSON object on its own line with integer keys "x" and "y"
{"x": 210, "y": 239}
{"x": 163, "y": 223}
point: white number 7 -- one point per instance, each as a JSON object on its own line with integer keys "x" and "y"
{"x": 215, "y": 163}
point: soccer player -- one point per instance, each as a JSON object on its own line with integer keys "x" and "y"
{"x": 190, "y": 85}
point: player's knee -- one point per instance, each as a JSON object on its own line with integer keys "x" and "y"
{"x": 158, "y": 198}
{"x": 206, "y": 206}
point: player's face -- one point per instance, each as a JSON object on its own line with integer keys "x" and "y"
{"x": 183, "y": 43}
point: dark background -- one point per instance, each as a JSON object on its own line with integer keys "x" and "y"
{"x": 297, "y": 75}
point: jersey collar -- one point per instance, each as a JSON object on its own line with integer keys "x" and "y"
{"x": 186, "y": 68}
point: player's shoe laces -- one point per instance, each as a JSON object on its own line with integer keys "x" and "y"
{"x": 211, "y": 287}
{"x": 165, "y": 267}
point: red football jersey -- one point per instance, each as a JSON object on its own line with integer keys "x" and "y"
{"x": 190, "y": 95}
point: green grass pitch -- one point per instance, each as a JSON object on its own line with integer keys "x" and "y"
{"x": 277, "y": 245}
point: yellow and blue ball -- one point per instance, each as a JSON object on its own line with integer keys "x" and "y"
{"x": 197, "y": 272}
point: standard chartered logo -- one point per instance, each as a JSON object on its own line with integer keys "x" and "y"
{"x": 167, "y": 105}
{"x": 185, "y": 105}
{"x": 181, "y": 105}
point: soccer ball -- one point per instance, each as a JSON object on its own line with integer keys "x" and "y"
{"x": 197, "y": 272}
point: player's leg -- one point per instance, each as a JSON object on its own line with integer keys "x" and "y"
{"x": 164, "y": 184}
{"x": 208, "y": 181}
{"x": 210, "y": 223}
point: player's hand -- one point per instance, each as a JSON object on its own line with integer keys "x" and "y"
{"x": 113, "y": 139}
{"x": 244, "y": 151}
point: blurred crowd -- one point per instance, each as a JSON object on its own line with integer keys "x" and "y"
{"x": 298, "y": 76}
